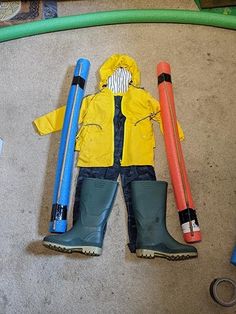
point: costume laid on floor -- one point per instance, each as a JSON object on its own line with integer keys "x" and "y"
{"x": 115, "y": 138}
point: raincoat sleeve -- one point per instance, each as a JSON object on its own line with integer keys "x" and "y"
{"x": 50, "y": 122}
{"x": 53, "y": 121}
{"x": 157, "y": 116}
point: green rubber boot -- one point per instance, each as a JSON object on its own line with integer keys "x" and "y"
{"x": 87, "y": 234}
{"x": 153, "y": 238}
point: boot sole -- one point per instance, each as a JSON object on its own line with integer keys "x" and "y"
{"x": 169, "y": 256}
{"x": 87, "y": 250}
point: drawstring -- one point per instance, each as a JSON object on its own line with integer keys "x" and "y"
{"x": 151, "y": 116}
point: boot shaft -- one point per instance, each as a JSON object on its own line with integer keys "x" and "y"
{"x": 97, "y": 198}
{"x": 149, "y": 203}
{"x": 149, "y": 199}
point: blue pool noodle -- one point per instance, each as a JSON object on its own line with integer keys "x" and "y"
{"x": 233, "y": 257}
{"x": 65, "y": 162}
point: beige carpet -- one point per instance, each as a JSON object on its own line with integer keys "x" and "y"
{"x": 35, "y": 75}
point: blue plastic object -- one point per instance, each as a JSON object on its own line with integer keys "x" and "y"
{"x": 233, "y": 257}
{"x": 62, "y": 185}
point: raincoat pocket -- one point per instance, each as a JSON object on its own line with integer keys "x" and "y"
{"x": 145, "y": 129}
{"x": 88, "y": 136}
{"x": 146, "y": 133}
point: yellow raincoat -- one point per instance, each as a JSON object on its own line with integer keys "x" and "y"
{"x": 95, "y": 139}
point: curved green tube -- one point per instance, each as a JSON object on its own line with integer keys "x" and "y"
{"x": 117, "y": 17}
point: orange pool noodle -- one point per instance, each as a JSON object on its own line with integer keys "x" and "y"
{"x": 174, "y": 153}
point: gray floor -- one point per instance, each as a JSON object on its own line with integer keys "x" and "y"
{"x": 34, "y": 79}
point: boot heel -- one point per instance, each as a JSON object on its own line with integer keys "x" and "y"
{"x": 145, "y": 253}
{"x": 91, "y": 250}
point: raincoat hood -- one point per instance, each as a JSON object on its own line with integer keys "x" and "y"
{"x": 119, "y": 61}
